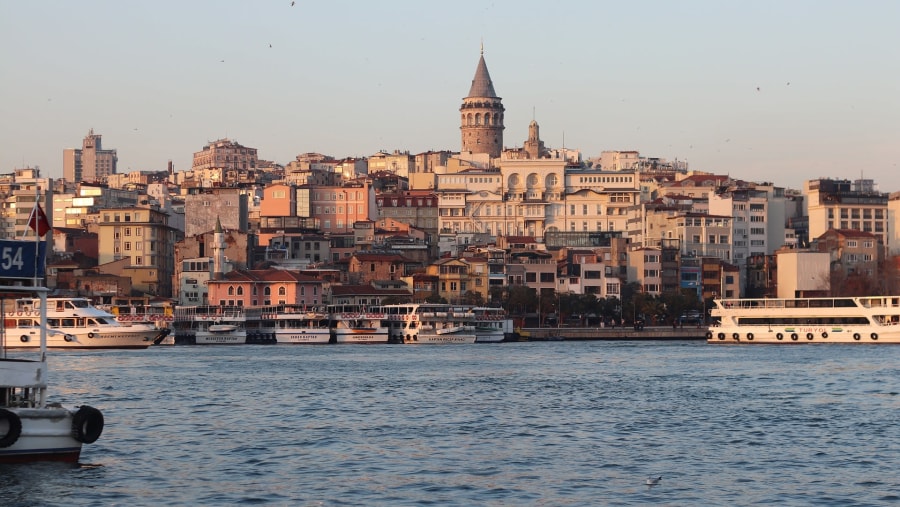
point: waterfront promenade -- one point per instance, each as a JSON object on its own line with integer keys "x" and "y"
{"x": 610, "y": 333}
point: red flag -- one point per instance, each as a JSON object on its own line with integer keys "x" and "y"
{"x": 38, "y": 221}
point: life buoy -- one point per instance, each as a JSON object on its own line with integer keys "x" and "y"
{"x": 794, "y": 336}
{"x": 856, "y": 336}
{"x": 90, "y": 335}
{"x": 19, "y": 314}
{"x": 874, "y": 336}
{"x": 809, "y": 336}
{"x": 24, "y": 338}
{"x": 721, "y": 336}
{"x": 750, "y": 336}
{"x": 824, "y": 335}
{"x": 14, "y": 427}
{"x": 779, "y": 336}
{"x": 87, "y": 424}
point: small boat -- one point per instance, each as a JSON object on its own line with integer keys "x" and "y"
{"x": 31, "y": 428}
{"x": 870, "y": 319}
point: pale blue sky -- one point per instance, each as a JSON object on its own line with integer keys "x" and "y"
{"x": 669, "y": 79}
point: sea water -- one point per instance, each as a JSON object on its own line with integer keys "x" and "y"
{"x": 560, "y": 423}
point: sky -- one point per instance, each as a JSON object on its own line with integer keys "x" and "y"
{"x": 771, "y": 91}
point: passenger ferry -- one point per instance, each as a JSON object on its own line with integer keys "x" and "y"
{"x": 429, "y": 323}
{"x": 297, "y": 324}
{"x": 159, "y": 316}
{"x": 492, "y": 325}
{"x": 357, "y": 324}
{"x": 210, "y": 325}
{"x": 871, "y": 319}
{"x": 73, "y": 323}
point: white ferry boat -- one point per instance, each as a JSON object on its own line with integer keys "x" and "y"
{"x": 73, "y": 323}
{"x": 871, "y": 319}
{"x": 298, "y": 324}
{"x": 492, "y": 325}
{"x": 357, "y": 324}
{"x": 429, "y": 323}
{"x": 210, "y": 325}
{"x": 159, "y": 316}
{"x": 31, "y": 428}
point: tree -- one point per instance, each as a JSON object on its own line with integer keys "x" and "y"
{"x": 473, "y": 298}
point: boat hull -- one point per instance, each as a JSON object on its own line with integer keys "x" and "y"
{"x": 125, "y": 337}
{"x": 489, "y": 336}
{"x": 303, "y": 336}
{"x": 434, "y": 338}
{"x": 227, "y": 338}
{"x": 801, "y": 335}
{"x": 46, "y": 435}
{"x": 374, "y": 335}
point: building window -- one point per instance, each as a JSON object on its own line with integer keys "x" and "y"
{"x": 282, "y": 291}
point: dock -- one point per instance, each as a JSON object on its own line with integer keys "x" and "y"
{"x": 610, "y": 333}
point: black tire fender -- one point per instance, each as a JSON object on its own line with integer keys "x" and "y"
{"x": 14, "y": 425}
{"x": 87, "y": 424}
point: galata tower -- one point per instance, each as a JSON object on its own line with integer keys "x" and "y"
{"x": 481, "y": 115}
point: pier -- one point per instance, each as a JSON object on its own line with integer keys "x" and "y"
{"x": 611, "y": 333}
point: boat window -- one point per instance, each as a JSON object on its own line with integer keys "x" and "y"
{"x": 53, "y": 322}
{"x": 26, "y": 323}
{"x": 60, "y": 305}
{"x": 78, "y": 303}
{"x": 68, "y": 322}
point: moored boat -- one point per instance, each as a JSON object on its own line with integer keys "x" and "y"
{"x": 298, "y": 324}
{"x": 870, "y": 319}
{"x": 357, "y": 324}
{"x": 31, "y": 428}
{"x": 492, "y": 325}
{"x": 210, "y": 325}
{"x": 429, "y": 323}
{"x": 73, "y": 323}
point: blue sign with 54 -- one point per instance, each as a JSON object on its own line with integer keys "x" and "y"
{"x": 22, "y": 259}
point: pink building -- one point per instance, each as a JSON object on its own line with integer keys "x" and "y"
{"x": 265, "y": 287}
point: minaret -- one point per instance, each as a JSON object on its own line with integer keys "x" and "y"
{"x": 481, "y": 115}
{"x": 534, "y": 147}
{"x": 218, "y": 251}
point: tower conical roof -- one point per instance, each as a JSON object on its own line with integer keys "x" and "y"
{"x": 482, "y": 86}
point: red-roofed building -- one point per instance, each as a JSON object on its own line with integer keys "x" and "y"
{"x": 266, "y": 287}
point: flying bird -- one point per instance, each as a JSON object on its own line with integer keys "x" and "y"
{"x": 270, "y": 45}
{"x": 292, "y": 4}
{"x": 653, "y": 481}
{"x": 757, "y": 88}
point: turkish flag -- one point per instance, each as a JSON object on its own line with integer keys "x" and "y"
{"x": 38, "y": 221}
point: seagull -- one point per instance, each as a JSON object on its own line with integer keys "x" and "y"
{"x": 292, "y": 4}
{"x": 653, "y": 481}
{"x": 270, "y": 45}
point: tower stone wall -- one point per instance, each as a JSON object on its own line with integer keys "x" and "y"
{"x": 481, "y": 115}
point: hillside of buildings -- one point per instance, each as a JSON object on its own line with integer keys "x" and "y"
{"x": 544, "y": 232}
